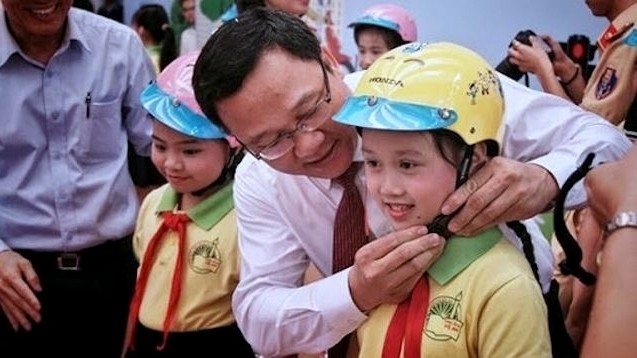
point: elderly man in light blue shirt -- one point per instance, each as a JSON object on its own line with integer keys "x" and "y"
{"x": 70, "y": 104}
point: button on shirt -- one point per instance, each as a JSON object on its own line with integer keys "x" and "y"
{"x": 286, "y": 221}
{"x": 64, "y": 181}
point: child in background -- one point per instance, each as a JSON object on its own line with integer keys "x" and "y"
{"x": 186, "y": 235}
{"x": 151, "y": 23}
{"x": 188, "y": 37}
{"x": 433, "y": 121}
{"x": 381, "y": 28}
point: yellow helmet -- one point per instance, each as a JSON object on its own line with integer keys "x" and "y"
{"x": 420, "y": 87}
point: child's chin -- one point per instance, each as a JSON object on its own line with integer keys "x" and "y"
{"x": 404, "y": 225}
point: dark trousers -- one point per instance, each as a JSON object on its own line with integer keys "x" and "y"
{"x": 83, "y": 311}
{"x": 216, "y": 342}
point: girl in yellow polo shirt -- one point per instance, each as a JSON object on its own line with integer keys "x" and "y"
{"x": 186, "y": 235}
{"x": 430, "y": 115}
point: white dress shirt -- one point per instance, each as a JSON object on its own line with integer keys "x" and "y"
{"x": 286, "y": 222}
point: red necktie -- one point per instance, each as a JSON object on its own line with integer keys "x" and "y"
{"x": 349, "y": 235}
{"x": 172, "y": 221}
{"x": 349, "y": 225}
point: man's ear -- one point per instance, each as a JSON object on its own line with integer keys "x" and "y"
{"x": 480, "y": 156}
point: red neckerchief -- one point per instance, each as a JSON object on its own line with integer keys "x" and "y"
{"x": 172, "y": 221}
{"x": 407, "y": 324}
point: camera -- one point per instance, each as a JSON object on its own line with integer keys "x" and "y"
{"x": 510, "y": 70}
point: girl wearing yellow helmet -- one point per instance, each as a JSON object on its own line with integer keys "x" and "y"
{"x": 430, "y": 115}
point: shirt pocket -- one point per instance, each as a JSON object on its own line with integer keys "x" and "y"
{"x": 102, "y": 131}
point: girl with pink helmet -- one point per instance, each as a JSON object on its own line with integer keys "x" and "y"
{"x": 381, "y": 28}
{"x": 186, "y": 235}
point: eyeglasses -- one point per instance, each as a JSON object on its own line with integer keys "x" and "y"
{"x": 284, "y": 141}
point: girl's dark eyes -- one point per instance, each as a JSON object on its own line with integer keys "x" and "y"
{"x": 371, "y": 163}
{"x": 191, "y": 151}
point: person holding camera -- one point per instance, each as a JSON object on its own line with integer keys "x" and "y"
{"x": 544, "y": 58}
{"x": 610, "y": 91}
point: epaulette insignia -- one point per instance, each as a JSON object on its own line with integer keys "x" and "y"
{"x": 611, "y": 34}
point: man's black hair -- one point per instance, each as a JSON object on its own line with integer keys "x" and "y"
{"x": 234, "y": 50}
{"x": 245, "y": 5}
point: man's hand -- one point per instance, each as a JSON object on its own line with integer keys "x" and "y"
{"x": 18, "y": 281}
{"x": 387, "y": 269}
{"x": 503, "y": 190}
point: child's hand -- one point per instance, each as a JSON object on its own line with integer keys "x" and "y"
{"x": 386, "y": 269}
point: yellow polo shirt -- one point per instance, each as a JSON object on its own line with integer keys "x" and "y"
{"x": 483, "y": 302}
{"x": 212, "y": 261}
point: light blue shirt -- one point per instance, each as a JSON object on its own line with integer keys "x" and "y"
{"x": 64, "y": 180}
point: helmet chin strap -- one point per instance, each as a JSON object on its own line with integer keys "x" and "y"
{"x": 440, "y": 222}
{"x": 572, "y": 264}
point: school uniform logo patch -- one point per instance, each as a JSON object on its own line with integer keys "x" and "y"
{"x": 606, "y": 83}
{"x": 444, "y": 319}
{"x": 204, "y": 256}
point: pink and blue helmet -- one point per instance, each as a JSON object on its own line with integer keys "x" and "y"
{"x": 171, "y": 100}
{"x": 392, "y": 17}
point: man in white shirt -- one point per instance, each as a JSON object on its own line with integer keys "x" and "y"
{"x": 264, "y": 79}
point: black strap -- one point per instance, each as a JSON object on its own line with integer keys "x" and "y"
{"x": 440, "y": 222}
{"x": 571, "y": 265}
{"x": 562, "y": 345}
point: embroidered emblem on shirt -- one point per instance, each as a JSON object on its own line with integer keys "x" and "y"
{"x": 205, "y": 257}
{"x": 606, "y": 83}
{"x": 444, "y": 321}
